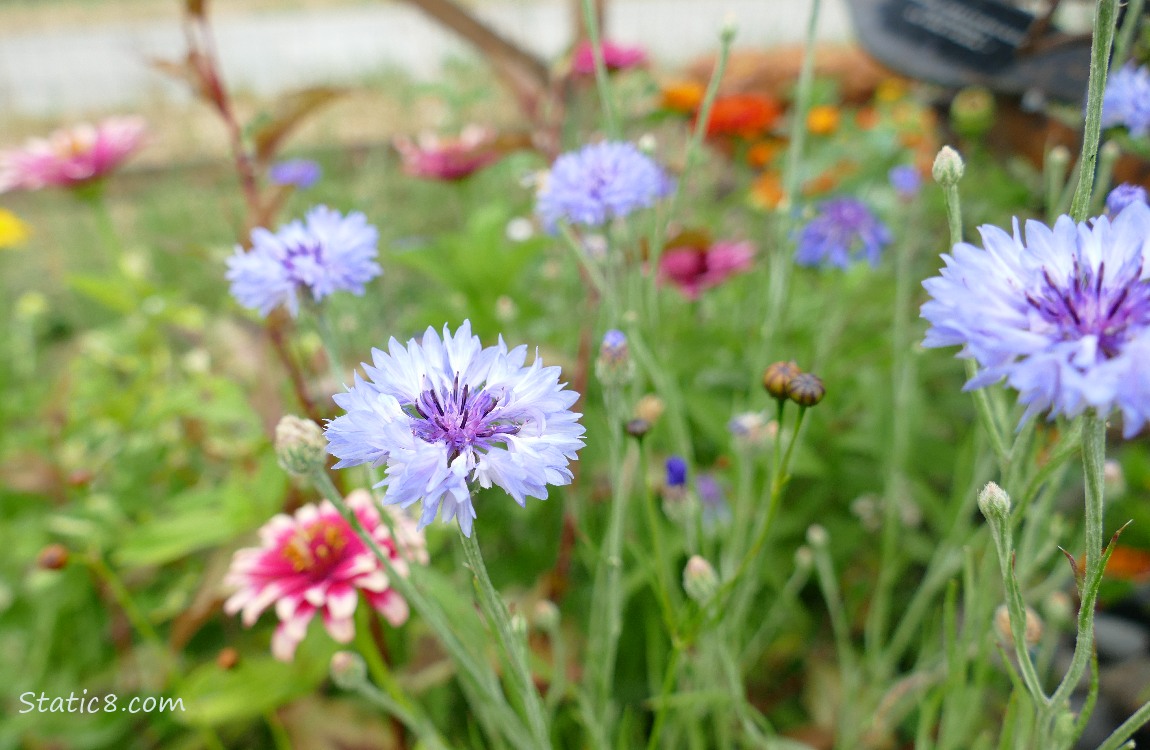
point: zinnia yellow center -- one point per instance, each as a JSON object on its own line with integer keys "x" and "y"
{"x": 315, "y": 547}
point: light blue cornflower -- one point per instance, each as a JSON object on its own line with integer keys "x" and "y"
{"x": 299, "y": 173}
{"x": 1063, "y": 315}
{"x": 1122, "y": 196}
{"x": 843, "y": 231}
{"x": 1126, "y": 101}
{"x": 600, "y": 182}
{"x": 326, "y": 252}
{"x": 445, "y": 415}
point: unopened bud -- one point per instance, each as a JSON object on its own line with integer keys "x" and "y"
{"x": 804, "y": 558}
{"x": 994, "y": 502}
{"x": 650, "y": 408}
{"x": 227, "y": 658}
{"x": 777, "y": 377}
{"x": 301, "y": 448}
{"x": 518, "y": 624}
{"x": 348, "y": 670}
{"x": 546, "y": 615}
{"x": 638, "y": 428}
{"x": 614, "y": 366}
{"x": 817, "y": 536}
{"x": 948, "y": 167}
{"x": 1033, "y": 631}
{"x": 972, "y": 111}
{"x": 806, "y": 389}
{"x": 752, "y": 429}
{"x": 52, "y": 557}
{"x": 699, "y": 579}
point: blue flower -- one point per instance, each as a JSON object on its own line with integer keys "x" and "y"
{"x": 1126, "y": 101}
{"x": 1124, "y": 195}
{"x": 325, "y": 253}
{"x": 1062, "y": 315}
{"x": 906, "y": 181}
{"x": 843, "y": 230}
{"x": 600, "y": 182}
{"x": 300, "y": 173}
{"x": 446, "y": 415}
{"x": 676, "y": 472}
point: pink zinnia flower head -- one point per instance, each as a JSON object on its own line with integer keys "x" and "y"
{"x": 696, "y": 265}
{"x": 615, "y": 57}
{"x": 71, "y": 157}
{"x": 436, "y": 158}
{"x": 314, "y": 562}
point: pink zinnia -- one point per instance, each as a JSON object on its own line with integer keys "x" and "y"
{"x": 71, "y": 157}
{"x": 314, "y": 562}
{"x": 438, "y": 158}
{"x": 692, "y": 269}
{"x": 615, "y": 57}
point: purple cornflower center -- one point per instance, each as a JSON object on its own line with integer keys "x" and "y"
{"x": 1090, "y": 307}
{"x": 301, "y": 260}
{"x": 460, "y": 418}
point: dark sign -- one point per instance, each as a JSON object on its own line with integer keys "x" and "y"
{"x": 980, "y": 34}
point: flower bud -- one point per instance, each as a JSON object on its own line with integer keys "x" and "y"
{"x": 806, "y": 389}
{"x": 804, "y": 558}
{"x": 778, "y": 376}
{"x": 301, "y": 447}
{"x": 994, "y": 502}
{"x": 227, "y": 658}
{"x": 972, "y": 111}
{"x": 817, "y": 536}
{"x": 637, "y": 428}
{"x": 1033, "y": 632}
{"x": 699, "y": 580}
{"x": 614, "y": 366}
{"x": 650, "y": 408}
{"x": 752, "y": 429}
{"x": 518, "y": 624}
{"x": 348, "y": 670}
{"x": 948, "y": 167}
{"x": 676, "y": 472}
{"x": 52, "y": 557}
{"x": 546, "y": 615}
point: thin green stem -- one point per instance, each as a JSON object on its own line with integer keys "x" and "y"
{"x": 1105, "y": 20}
{"x": 280, "y": 737}
{"x": 800, "y": 109}
{"x": 1129, "y": 28}
{"x": 1017, "y": 608}
{"x": 670, "y": 674}
{"x": 602, "y": 79}
{"x": 1093, "y": 460}
{"x": 1119, "y": 737}
{"x": 660, "y": 560}
{"x": 331, "y": 346}
{"x": 512, "y": 643}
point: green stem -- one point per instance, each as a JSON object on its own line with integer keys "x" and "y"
{"x": 1129, "y": 28}
{"x": 602, "y": 79}
{"x": 331, "y": 347}
{"x": 1093, "y": 460}
{"x": 280, "y": 737}
{"x": 599, "y": 281}
{"x": 669, "y": 676}
{"x": 1017, "y": 608}
{"x": 1105, "y": 19}
{"x": 1117, "y": 739}
{"x": 800, "y": 110}
{"x": 511, "y": 642}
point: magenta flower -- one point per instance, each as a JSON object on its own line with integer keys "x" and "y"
{"x": 71, "y": 157}
{"x": 693, "y": 268}
{"x": 435, "y": 158}
{"x": 314, "y": 562}
{"x": 615, "y": 56}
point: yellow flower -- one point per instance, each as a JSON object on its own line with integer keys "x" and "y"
{"x": 13, "y": 232}
{"x": 823, "y": 120}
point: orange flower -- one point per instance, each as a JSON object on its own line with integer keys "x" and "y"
{"x": 683, "y": 96}
{"x": 829, "y": 180}
{"x": 767, "y": 191}
{"x": 823, "y": 120}
{"x": 745, "y": 115}
{"x": 866, "y": 118}
{"x": 760, "y": 154}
